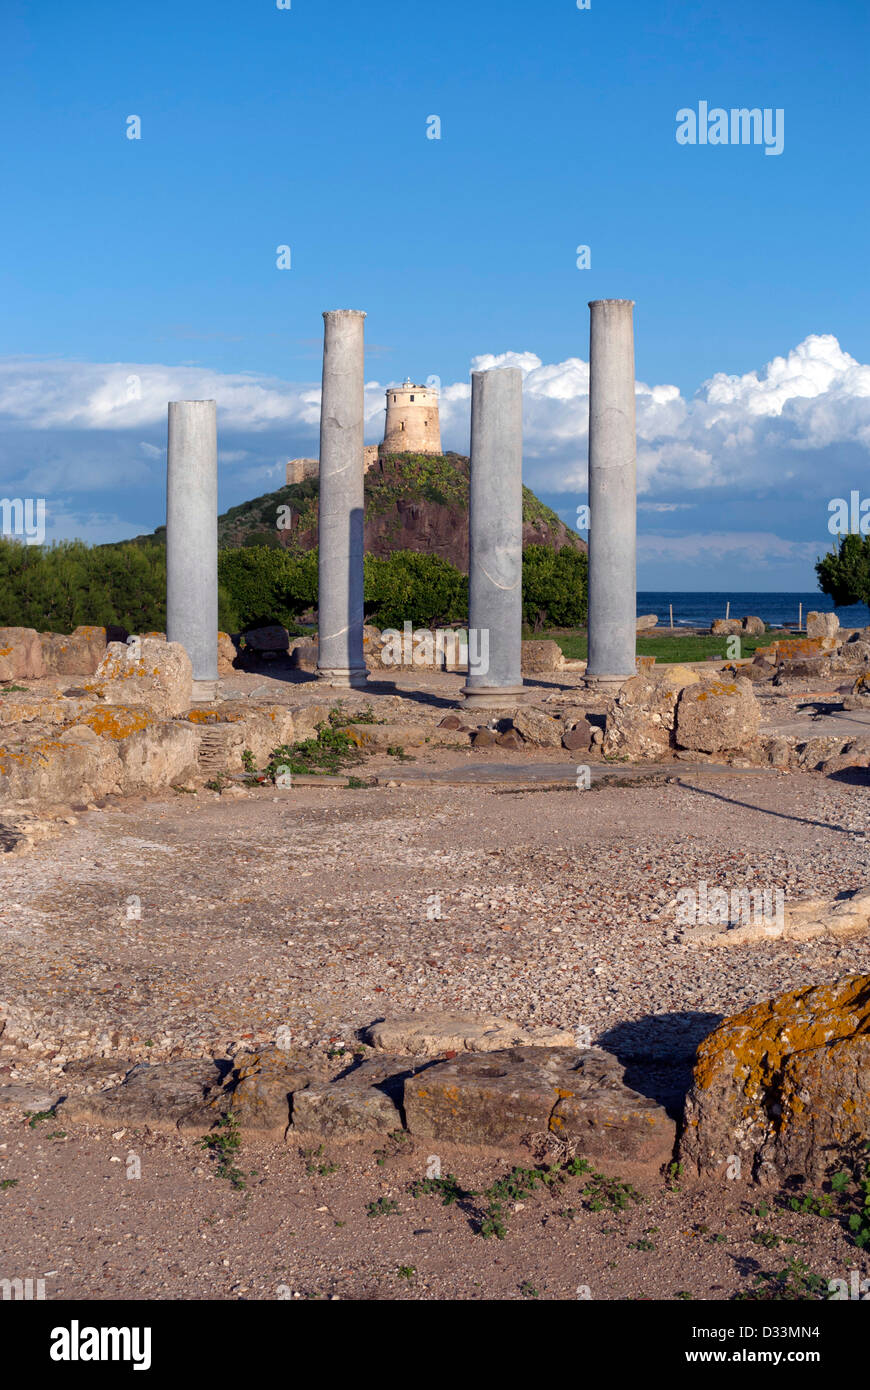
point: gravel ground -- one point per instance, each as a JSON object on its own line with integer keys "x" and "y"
{"x": 192, "y": 925}
{"x": 319, "y": 909}
{"x": 182, "y": 1232}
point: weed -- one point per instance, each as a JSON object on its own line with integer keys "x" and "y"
{"x": 397, "y": 1138}
{"x": 320, "y": 1170}
{"x": 36, "y": 1117}
{"x": 224, "y": 1142}
{"x": 859, "y": 1220}
{"x": 849, "y": 1198}
{"x": 795, "y": 1282}
{"x": 447, "y": 1188}
{"x": 248, "y": 762}
{"x": 812, "y": 1205}
{"x": 769, "y": 1239}
{"x": 406, "y": 1271}
{"x": 328, "y": 753}
{"x": 519, "y": 1183}
{"x": 6, "y": 1183}
{"x": 384, "y": 1206}
{"x": 339, "y": 716}
{"x": 528, "y": 1290}
{"x": 602, "y": 1192}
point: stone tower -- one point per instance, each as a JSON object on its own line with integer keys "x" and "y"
{"x": 412, "y": 425}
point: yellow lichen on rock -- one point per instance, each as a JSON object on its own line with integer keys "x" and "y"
{"x": 116, "y": 721}
{"x": 784, "y": 1083}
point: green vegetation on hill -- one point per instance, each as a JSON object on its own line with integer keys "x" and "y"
{"x": 441, "y": 479}
{"x": 415, "y": 517}
{"x": 409, "y": 498}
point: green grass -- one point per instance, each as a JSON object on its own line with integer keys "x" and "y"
{"x": 664, "y": 648}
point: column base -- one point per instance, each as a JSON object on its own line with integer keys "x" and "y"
{"x": 345, "y": 677}
{"x": 607, "y": 685}
{"x": 204, "y": 692}
{"x": 494, "y": 697}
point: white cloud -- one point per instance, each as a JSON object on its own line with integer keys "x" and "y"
{"x": 63, "y": 523}
{"x": 760, "y": 549}
{"x": 800, "y": 424}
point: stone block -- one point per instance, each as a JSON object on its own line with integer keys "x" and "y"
{"x": 641, "y": 720}
{"x": 165, "y": 1097}
{"x": 717, "y": 716}
{"x": 365, "y": 1100}
{"x": 20, "y": 654}
{"x": 76, "y": 766}
{"x": 542, "y": 657}
{"x": 784, "y": 1086}
{"x": 77, "y": 655}
{"x": 538, "y": 728}
{"x": 498, "y": 1098}
{"x": 822, "y": 624}
{"x": 150, "y": 672}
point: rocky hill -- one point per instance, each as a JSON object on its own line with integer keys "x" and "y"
{"x": 412, "y": 502}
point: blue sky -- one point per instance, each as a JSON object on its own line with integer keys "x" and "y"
{"x": 156, "y": 258}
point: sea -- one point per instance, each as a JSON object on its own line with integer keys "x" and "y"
{"x": 778, "y": 609}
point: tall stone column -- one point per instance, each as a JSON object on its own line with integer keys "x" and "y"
{"x": 495, "y": 540}
{"x": 340, "y": 659}
{"x": 612, "y": 496}
{"x": 191, "y": 539}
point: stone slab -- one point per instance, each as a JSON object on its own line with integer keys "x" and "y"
{"x": 577, "y": 1094}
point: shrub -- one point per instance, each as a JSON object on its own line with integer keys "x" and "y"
{"x": 409, "y": 587}
{"x": 61, "y": 586}
{"x": 554, "y": 586}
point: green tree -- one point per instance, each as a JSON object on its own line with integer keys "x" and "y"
{"x": 844, "y": 573}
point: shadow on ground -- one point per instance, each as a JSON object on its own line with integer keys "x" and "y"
{"x": 658, "y": 1053}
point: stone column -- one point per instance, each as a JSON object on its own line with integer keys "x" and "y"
{"x": 340, "y": 659}
{"x": 191, "y": 539}
{"x": 495, "y": 540}
{"x": 612, "y": 496}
